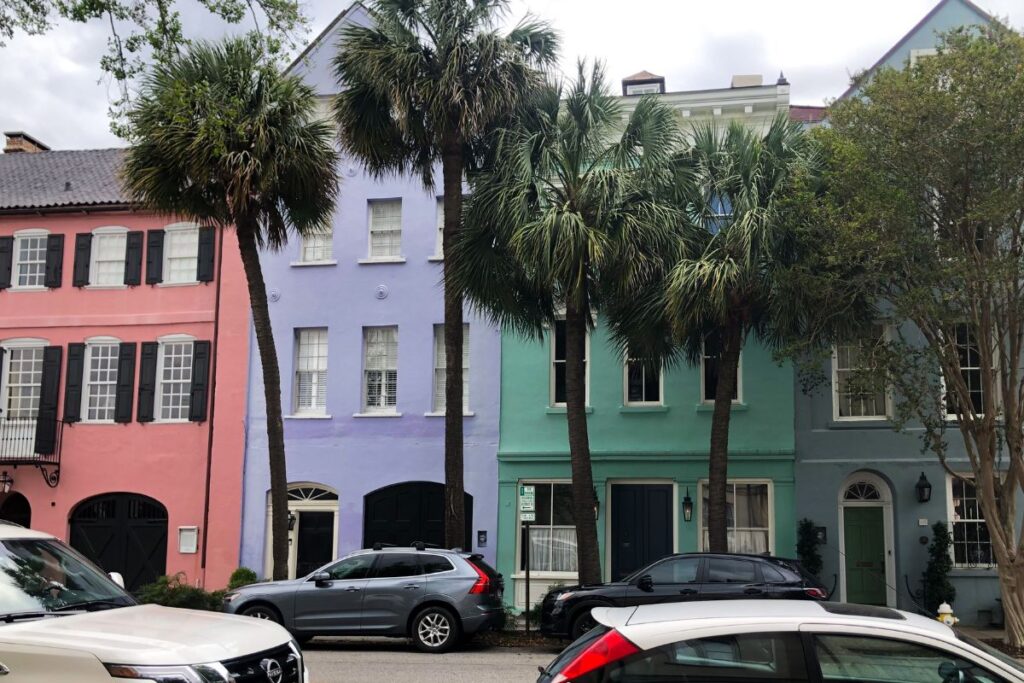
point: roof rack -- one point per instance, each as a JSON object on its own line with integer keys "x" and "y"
{"x": 379, "y": 546}
{"x": 421, "y": 545}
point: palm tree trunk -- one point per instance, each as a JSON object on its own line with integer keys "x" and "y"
{"x": 588, "y": 559}
{"x": 718, "y": 457}
{"x": 454, "y": 486}
{"x": 272, "y": 394}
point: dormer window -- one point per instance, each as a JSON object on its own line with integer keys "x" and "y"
{"x": 643, "y": 83}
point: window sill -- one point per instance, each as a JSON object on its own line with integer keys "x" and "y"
{"x": 171, "y": 422}
{"x": 468, "y": 413}
{"x": 313, "y": 264}
{"x": 378, "y": 261}
{"x": 96, "y": 422}
{"x": 874, "y": 423}
{"x": 737, "y": 407}
{"x": 190, "y": 283}
{"x": 640, "y": 408}
{"x": 376, "y": 415}
{"x": 91, "y": 286}
{"x": 436, "y": 258}
{"x": 973, "y": 572}
{"x": 310, "y": 416}
{"x": 27, "y": 289}
{"x": 560, "y": 410}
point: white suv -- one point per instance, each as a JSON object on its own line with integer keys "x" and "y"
{"x": 61, "y": 619}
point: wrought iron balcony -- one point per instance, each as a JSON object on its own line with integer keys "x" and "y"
{"x": 33, "y": 442}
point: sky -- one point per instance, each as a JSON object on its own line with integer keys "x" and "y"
{"x": 51, "y": 85}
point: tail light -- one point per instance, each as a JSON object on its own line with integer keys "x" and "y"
{"x": 816, "y": 593}
{"x": 483, "y": 582}
{"x": 611, "y": 647}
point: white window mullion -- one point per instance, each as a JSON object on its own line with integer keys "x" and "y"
{"x": 100, "y": 382}
{"x": 174, "y": 380}
{"x": 107, "y": 257}
{"x": 380, "y": 369}
{"x": 311, "y": 371}
{"x": 385, "y": 229}
{"x": 441, "y": 366}
{"x": 181, "y": 254}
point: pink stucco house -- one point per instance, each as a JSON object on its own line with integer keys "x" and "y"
{"x": 123, "y": 364}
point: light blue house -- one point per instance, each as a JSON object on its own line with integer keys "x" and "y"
{"x": 862, "y": 483}
{"x": 357, "y": 314}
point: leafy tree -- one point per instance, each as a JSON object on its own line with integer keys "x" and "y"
{"x": 566, "y": 213}
{"x": 937, "y": 586}
{"x": 807, "y": 546}
{"x": 926, "y": 203}
{"x": 423, "y": 85}
{"x": 220, "y": 136}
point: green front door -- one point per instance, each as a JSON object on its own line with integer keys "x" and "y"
{"x": 864, "y": 533}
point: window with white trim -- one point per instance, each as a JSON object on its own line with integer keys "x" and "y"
{"x": 107, "y": 256}
{"x": 439, "y": 244}
{"x": 552, "y": 536}
{"x": 174, "y": 380}
{"x": 380, "y": 369}
{"x": 310, "y": 371}
{"x": 385, "y": 229}
{"x": 29, "y": 267}
{"x": 749, "y": 516}
{"x": 99, "y": 391}
{"x": 972, "y": 546}
{"x": 558, "y": 365}
{"x": 22, "y": 381}
{"x": 181, "y": 254}
{"x": 441, "y": 366}
{"x": 855, "y": 392}
{"x": 642, "y": 381}
{"x": 709, "y": 370}
{"x": 969, "y": 355}
{"x": 317, "y": 246}
{"x": 644, "y": 89}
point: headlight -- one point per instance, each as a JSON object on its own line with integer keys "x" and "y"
{"x": 198, "y": 673}
{"x": 564, "y": 596}
{"x": 230, "y": 597}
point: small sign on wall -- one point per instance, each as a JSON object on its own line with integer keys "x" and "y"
{"x": 188, "y": 540}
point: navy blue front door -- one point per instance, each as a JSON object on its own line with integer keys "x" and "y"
{"x": 642, "y": 516}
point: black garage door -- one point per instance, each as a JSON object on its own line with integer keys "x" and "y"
{"x": 411, "y": 511}
{"x": 123, "y": 532}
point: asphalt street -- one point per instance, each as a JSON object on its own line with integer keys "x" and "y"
{"x": 372, "y": 660}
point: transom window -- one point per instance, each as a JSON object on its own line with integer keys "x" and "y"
{"x": 709, "y": 370}
{"x": 748, "y": 516}
{"x": 318, "y": 246}
{"x": 181, "y": 254}
{"x": 380, "y": 369}
{"x": 30, "y": 260}
{"x": 441, "y": 366}
{"x": 311, "y": 370}
{"x": 643, "y": 382}
{"x": 100, "y": 391}
{"x": 174, "y": 380}
{"x": 972, "y": 546}
{"x": 552, "y": 536}
{"x": 107, "y": 252}
{"x": 558, "y": 365}
{"x": 386, "y": 229}
{"x": 308, "y": 493}
{"x": 861, "y": 490}
{"x": 857, "y": 394}
{"x": 22, "y": 383}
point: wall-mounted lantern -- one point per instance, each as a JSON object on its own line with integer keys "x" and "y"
{"x": 291, "y": 521}
{"x": 923, "y": 489}
{"x": 6, "y": 482}
{"x": 597, "y": 504}
{"x": 687, "y": 506}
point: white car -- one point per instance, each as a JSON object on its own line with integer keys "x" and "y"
{"x": 775, "y": 641}
{"x": 62, "y": 619}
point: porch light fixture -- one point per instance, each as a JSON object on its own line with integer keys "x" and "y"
{"x": 291, "y": 521}
{"x": 923, "y": 488}
{"x": 597, "y": 504}
{"x": 6, "y": 482}
{"x": 687, "y": 506}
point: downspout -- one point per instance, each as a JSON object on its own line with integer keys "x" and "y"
{"x": 213, "y": 401}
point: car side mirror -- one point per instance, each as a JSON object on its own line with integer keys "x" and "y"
{"x": 951, "y": 673}
{"x": 645, "y": 583}
{"x": 321, "y": 578}
{"x": 117, "y": 578}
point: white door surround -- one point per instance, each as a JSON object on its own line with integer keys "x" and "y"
{"x": 867, "y": 489}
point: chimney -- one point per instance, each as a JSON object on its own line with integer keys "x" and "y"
{"x": 17, "y": 141}
{"x": 746, "y": 81}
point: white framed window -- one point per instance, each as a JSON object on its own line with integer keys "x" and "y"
{"x": 106, "y": 267}
{"x": 181, "y": 253}
{"x": 969, "y": 355}
{"x": 558, "y": 365}
{"x": 317, "y": 247}
{"x": 99, "y": 385}
{"x": 643, "y": 89}
{"x": 552, "y": 537}
{"x": 439, "y": 238}
{"x": 380, "y": 369}
{"x": 750, "y": 515}
{"x": 642, "y": 383}
{"x": 852, "y": 397}
{"x": 709, "y": 371}
{"x": 441, "y": 366}
{"x": 29, "y": 266}
{"x": 385, "y": 229}
{"x": 174, "y": 379}
{"x": 917, "y": 54}
{"x": 972, "y": 545}
{"x": 21, "y": 378}
{"x": 310, "y": 393}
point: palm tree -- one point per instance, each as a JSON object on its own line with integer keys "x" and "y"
{"x": 567, "y": 212}
{"x": 732, "y": 184}
{"x": 424, "y": 84}
{"x": 220, "y": 136}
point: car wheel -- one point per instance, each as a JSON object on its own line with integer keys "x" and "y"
{"x": 261, "y": 612}
{"x": 435, "y": 629}
{"x": 582, "y": 623}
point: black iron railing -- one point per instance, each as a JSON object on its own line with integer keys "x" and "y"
{"x": 21, "y": 439}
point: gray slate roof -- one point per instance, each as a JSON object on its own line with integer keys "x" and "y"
{"x": 41, "y": 180}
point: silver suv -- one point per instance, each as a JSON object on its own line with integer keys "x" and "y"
{"x": 435, "y": 597}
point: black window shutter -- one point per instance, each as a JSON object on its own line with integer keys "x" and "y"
{"x": 6, "y": 261}
{"x": 73, "y": 383}
{"x": 54, "y": 261}
{"x": 200, "y": 381}
{"x": 49, "y": 391}
{"x": 154, "y": 257}
{"x": 147, "y": 380}
{"x": 204, "y": 264}
{"x": 133, "y": 260}
{"x": 125, "y": 390}
{"x": 83, "y": 254}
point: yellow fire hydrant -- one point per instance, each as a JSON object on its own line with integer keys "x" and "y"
{"x": 946, "y": 615}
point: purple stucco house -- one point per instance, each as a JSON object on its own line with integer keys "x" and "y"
{"x": 356, "y": 316}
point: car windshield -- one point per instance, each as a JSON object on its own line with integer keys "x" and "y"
{"x": 988, "y": 649}
{"x": 44, "y": 575}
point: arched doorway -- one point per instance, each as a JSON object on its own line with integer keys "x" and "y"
{"x": 123, "y": 532}
{"x": 16, "y": 508}
{"x": 312, "y": 528}
{"x": 867, "y": 570}
{"x": 411, "y": 511}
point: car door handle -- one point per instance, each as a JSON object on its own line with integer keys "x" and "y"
{"x": 351, "y": 589}
{"x": 411, "y": 586}
{"x": 688, "y": 591}
{"x": 753, "y": 591}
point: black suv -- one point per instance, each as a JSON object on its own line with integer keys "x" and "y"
{"x": 565, "y": 612}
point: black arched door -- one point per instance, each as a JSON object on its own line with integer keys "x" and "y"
{"x": 401, "y": 514}
{"x": 16, "y": 508}
{"x": 123, "y": 532}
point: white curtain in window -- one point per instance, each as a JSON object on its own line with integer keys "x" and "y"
{"x": 386, "y": 228}
{"x": 553, "y": 549}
